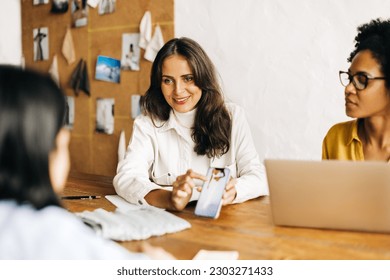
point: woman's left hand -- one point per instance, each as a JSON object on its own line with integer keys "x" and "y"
{"x": 230, "y": 192}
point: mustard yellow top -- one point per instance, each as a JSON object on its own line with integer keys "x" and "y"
{"x": 342, "y": 142}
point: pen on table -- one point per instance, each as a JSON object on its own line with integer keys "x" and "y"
{"x": 81, "y": 197}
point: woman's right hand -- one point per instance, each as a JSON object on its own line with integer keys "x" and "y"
{"x": 182, "y": 189}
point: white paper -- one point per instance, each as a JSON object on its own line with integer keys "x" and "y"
{"x": 135, "y": 106}
{"x": 145, "y": 29}
{"x": 121, "y": 203}
{"x": 155, "y": 44}
{"x": 122, "y": 146}
{"x": 105, "y": 115}
{"x": 93, "y": 3}
{"x": 216, "y": 255}
{"x": 138, "y": 224}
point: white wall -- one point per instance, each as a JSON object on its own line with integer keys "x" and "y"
{"x": 10, "y": 32}
{"x": 280, "y": 59}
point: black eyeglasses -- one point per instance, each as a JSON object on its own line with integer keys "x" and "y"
{"x": 359, "y": 80}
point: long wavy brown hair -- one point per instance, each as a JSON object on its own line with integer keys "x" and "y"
{"x": 213, "y": 124}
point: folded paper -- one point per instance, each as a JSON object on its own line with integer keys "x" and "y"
{"x": 79, "y": 79}
{"x": 145, "y": 29}
{"x": 68, "y": 47}
{"x": 155, "y": 44}
{"x": 93, "y": 3}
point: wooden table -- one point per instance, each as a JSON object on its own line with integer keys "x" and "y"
{"x": 246, "y": 228}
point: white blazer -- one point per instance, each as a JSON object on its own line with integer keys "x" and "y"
{"x": 155, "y": 156}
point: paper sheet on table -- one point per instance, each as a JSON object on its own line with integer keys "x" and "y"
{"x": 121, "y": 203}
{"x": 132, "y": 222}
{"x": 216, "y": 255}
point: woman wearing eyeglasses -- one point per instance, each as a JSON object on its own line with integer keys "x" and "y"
{"x": 367, "y": 99}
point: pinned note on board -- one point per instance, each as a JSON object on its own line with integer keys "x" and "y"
{"x": 70, "y": 108}
{"x": 135, "y": 106}
{"x": 105, "y": 115}
{"x": 130, "y": 52}
{"x": 41, "y": 43}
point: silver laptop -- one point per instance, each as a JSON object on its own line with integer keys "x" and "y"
{"x": 330, "y": 194}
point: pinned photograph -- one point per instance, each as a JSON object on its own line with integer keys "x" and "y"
{"x": 59, "y": 6}
{"x": 69, "y": 117}
{"x": 40, "y": 2}
{"x": 105, "y": 115}
{"x": 41, "y": 43}
{"x": 107, "y": 6}
{"x": 108, "y": 69}
{"x": 79, "y": 13}
{"x": 130, "y": 51}
{"x": 93, "y": 3}
{"x": 135, "y": 106}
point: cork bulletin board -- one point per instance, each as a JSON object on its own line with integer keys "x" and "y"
{"x": 93, "y": 152}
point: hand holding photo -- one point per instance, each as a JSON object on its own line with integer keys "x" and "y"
{"x": 108, "y": 69}
{"x": 210, "y": 200}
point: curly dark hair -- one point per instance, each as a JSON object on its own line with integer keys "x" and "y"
{"x": 375, "y": 37}
{"x": 212, "y": 128}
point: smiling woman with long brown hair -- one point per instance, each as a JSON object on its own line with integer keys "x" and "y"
{"x": 185, "y": 128}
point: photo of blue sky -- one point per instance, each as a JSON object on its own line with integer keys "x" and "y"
{"x": 108, "y": 69}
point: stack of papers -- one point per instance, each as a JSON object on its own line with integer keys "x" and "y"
{"x": 133, "y": 223}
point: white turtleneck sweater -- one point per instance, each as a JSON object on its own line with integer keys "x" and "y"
{"x": 185, "y": 122}
{"x": 156, "y": 155}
